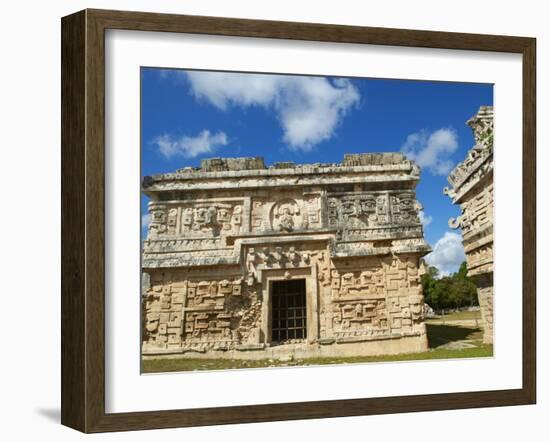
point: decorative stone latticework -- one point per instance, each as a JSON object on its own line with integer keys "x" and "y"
{"x": 222, "y": 235}
{"x": 472, "y": 188}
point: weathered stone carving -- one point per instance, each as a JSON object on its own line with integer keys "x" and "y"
{"x": 157, "y": 226}
{"x": 285, "y": 215}
{"x": 221, "y": 235}
{"x": 472, "y": 189}
{"x": 206, "y": 219}
{"x": 362, "y": 215}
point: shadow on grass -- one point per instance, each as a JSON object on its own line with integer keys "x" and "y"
{"x": 439, "y": 334}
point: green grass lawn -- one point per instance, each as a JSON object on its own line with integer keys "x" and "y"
{"x": 459, "y": 316}
{"x": 438, "y": 336}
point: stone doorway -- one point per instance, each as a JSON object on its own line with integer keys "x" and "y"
{"x": 289, "y": 312}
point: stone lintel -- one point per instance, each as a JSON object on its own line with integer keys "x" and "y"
{"x": 342, "y": 253}
{"x": 250, "y": 238}
{"x": 186, "y": 261}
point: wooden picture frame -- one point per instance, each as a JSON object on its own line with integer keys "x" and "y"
{"x": 83, "y": 220}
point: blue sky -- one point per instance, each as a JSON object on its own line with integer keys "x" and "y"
{"x": 191, "y": 115}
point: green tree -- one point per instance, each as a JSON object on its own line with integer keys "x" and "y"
{"x": 429, "y": 281}
{"x": 466, "y": 292}
{"x": 454, "y": 291}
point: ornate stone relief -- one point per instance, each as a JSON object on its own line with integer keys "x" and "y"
{"x": 199, "y": 219}
{"x": 472, "y": 182}
{"x": 373, "y": 210}
{"x": 217, "y": 314}
{"x": 157, "y": 225}
{"x": 213, "y": 219}
{"x": 279, "y": 257}
{"x": 365, "y": 216}
{"x": 286, "y": 216}
{"x": 478, "y": 161}
{"x": 477, "y": 212}
{"x": 209, "y": 253}
{"x": 404, "y": 208}
{"x": 375, "y": 299}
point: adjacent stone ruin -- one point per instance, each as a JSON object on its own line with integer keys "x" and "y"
{"x": 243, "y": 260}
{"x": 472, "y": 188}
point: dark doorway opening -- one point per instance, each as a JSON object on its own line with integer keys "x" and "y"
{"x": 288, "y": 300}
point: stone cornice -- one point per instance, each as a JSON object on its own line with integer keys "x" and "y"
{"x": 479, "y": 160}
{"x": 362, "y": 168}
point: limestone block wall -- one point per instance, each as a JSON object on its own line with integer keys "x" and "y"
{"x": 351, "y": 231}
{"x": 472, "y": 189}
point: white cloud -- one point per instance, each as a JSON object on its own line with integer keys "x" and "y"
{"x": 432, "y": 150}
{"x": 426, "y": 220}
{"x": 145, "y": 220}
{"x": 309, "y": 109}
{"x": 447, "y": 254}
{"x": 190, "y": 147}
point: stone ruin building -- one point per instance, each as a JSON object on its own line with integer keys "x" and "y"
{"x": 248, "y": 261}
{"x": 472, "y": 188}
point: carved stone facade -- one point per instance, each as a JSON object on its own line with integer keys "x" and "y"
{"x": 223, "y": 235}
{"x": 472, "y": 188}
